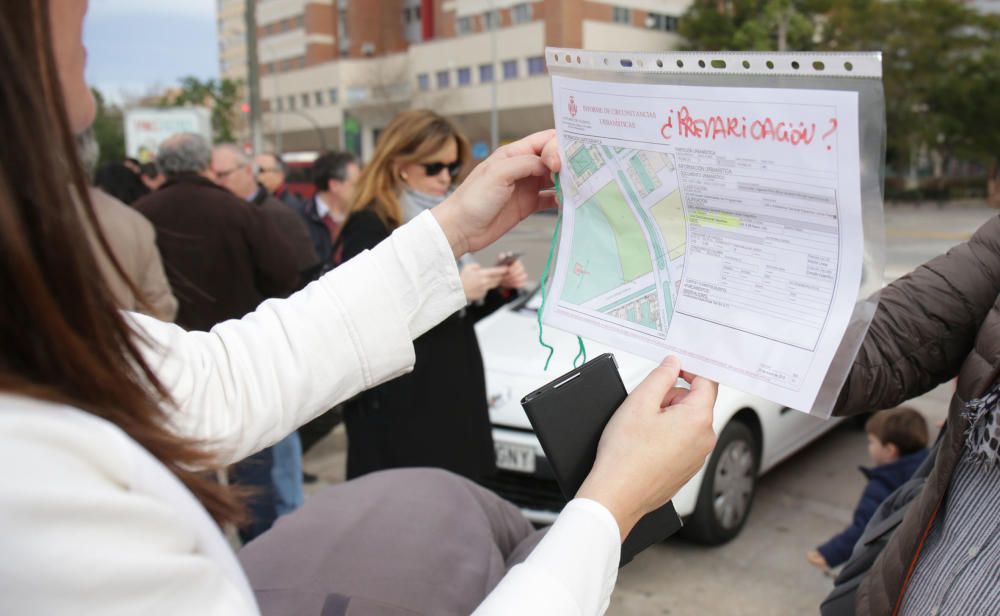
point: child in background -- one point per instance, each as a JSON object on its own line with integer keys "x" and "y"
{"x": 897, "y": 444}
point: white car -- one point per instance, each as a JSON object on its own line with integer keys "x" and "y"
{"x": 753, "y": 434}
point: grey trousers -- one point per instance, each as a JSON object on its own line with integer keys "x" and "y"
{"x": 406, "y": 541}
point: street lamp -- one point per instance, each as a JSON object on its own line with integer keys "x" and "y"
{"x": 493, "y": 19}
{"x": 254, "y": 78}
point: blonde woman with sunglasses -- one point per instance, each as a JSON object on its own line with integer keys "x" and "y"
{"x": 437, "y": 415}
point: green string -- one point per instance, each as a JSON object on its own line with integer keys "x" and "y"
{"x": 582, "y": 353}
{"x": 545, "y": 279}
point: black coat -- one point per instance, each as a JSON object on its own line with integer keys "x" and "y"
{"x": 436, "y": 415}
{"x": 318, "y": 232}
{"x": 222, "y": 255}
{"x": 294, "y": 228}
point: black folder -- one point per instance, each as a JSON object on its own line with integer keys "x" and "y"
{"x": 568, "y": 416}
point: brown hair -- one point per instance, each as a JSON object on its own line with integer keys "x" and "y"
{"x": 903, "y": 427}
{"x": 411, "y": 137}
{"x": 62, "y": 337}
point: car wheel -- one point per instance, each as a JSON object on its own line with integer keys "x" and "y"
{"x": 728, "y": 487}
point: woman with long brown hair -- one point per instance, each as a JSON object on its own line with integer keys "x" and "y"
{"x": 108, "y": 420}
{"x": 437, "y": 415}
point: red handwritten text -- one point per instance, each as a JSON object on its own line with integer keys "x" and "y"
{"x": 718, "y": 127}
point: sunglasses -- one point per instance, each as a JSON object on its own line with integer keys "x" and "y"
{"x": 433, "y": 169}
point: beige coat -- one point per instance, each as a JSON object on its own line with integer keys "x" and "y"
{"x": 133, "y": 242}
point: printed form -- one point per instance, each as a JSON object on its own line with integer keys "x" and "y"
{"x": 722, "y": 225}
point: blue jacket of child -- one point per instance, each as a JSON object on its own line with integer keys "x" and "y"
{"x": 882, "y": 481}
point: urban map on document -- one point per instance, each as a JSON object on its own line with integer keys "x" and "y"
{"x": 630, "y": 207}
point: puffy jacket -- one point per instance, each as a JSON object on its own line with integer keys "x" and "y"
{"x": 882, "y": 481}
{"x": 940, "y": 321}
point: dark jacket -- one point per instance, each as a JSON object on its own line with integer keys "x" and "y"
{"x": 222, "y": 255}
{"x": 882, "y": 481}
{"x": 318, "y": 232}
{"x": 295, "y": 231}
{"x": 286, "y": 196}
{"x": 436, "y": 415}
{"x": 940, "y": 321}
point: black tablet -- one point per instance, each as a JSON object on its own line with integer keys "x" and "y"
{"x": 568, "y": 416}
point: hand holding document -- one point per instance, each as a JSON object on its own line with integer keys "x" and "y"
{"x": 722, "y": 224}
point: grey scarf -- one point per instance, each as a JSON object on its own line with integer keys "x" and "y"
{"x": 415, "y": 203}
{"x": 983, "y": 438}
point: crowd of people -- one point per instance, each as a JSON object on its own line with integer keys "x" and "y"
{"x": 164, "y": 321}
{"x": 231, "y": 234}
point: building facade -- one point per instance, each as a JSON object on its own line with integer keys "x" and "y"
{"x": 334, "y": 72}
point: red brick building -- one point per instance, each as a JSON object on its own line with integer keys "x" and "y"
{"x": 335, "y": 71}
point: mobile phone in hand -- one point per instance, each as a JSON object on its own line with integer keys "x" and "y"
{"x": 508, "y": 259}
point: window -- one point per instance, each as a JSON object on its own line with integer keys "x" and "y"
{"x": 305, "y": 100}
{"x": 510, "y": 69}
{"x": 521, "y": 13}
{"x": 411, "y": 14}
{"x": 300, "y": 21}
{"x": 663, "y": 23}
{"x": 463, "y": 25}
{"x": 485, "y": 73}
{"x": 319, "y": 98}
{"x": 302, "y": 62}
{"x": 536, "y": 65}
{"x": 621, "y": 16}
{"x": 280, "y": 104}
{"x": 412, "y": 27}
{"x": 423, "y": 82}
{"x": 291, "y": 102}
{"x": 271, "y": 67}
{"x": 333, "y": 96}
{"x": 491, "y": 20}
{"x": 464, "y": 76}
{"x": 345, "y": 41}
{"x": 443, "y": 79}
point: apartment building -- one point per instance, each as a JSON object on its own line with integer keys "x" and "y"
{"x": 334, "y": 72}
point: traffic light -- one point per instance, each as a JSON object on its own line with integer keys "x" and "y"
{"x": 245, "y": 107}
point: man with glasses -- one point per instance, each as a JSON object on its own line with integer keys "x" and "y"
{"x": 272, "y": 175}
{"x": 234, "y": 171}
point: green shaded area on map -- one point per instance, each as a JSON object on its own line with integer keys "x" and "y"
{"x": 637, "y": 165}
{"x": 582, "y": 162}
{"x": 669, "y": 215}
{"x": 661, "y": 254}
{"x": 604, "y": 227}
{"x": 661, "y": 261}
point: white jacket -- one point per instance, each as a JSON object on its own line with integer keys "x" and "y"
{"x": 91, "y": 523}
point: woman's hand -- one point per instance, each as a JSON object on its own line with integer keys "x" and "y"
{"x": 516, "y": 277}
{"x": 655, "y": 442}
{"x": 477, "y": 281}
{"x": 500, "y": 192}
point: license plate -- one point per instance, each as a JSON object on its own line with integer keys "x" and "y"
{"x": 516, "y": 458}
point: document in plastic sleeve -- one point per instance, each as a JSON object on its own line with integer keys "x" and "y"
{"x": 719, "y": 224}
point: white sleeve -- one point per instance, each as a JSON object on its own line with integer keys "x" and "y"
{"x": 249, "y": 382}
{"x": 79, "y": 537}
{"x": 571, "y": 572}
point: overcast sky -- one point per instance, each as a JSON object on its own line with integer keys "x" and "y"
{"x": 135, "y": 47}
